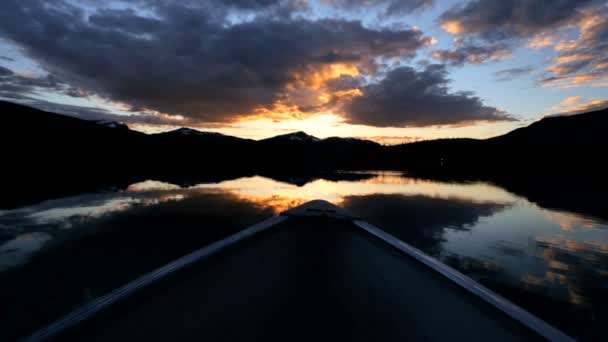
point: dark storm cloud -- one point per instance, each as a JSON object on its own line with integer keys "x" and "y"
{"x": 509, "y": 74}
{"x": 8, "y": 59}
{"x": 389, "y": 7}
{"x": 410, "y": 98}
{"x": 184, "y": 58}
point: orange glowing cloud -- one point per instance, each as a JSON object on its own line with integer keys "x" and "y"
{"x": 317, "y": 78}
{"x": 570, "y": 81}
{"x": 452, "y": 26}
{"x": 577, "y": 57}
{"x": 308, "y": 94}
{"x": 565, "y": 45}
{"x": 572, "y": 99}
{"x": 576, "y": 104}
{"x": 601, "y": 65}
{"x": 540, "y": 41}
{"x": 581, "y": 54}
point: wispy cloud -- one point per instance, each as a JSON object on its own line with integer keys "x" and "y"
{"x": 509, "y": 74}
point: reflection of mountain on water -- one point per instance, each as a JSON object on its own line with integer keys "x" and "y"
{"x": 15, "y": 197}
{"x": 303, "y": 179}
{"x": 419, "y": 220}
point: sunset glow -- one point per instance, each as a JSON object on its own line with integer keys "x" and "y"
{"x": 313, "y": 66}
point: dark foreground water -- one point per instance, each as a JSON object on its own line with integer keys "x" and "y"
{"x": 60, "y": 253}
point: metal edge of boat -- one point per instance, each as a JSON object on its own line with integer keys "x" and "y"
{"x": 316, "y": 208}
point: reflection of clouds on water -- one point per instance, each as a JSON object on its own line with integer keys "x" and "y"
{"x": 575, "y": 271}
{"x": 419, "y": 220}
{"x": 510, "y": 248}
{"x": 571, "y": 221}
{"x": 15, "y": 252}
{"x": 151, "y": 185}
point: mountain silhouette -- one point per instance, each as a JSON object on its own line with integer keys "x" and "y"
{"x": 35, "y": 136}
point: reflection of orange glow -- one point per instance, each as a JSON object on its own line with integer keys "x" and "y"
{"x": 556, "y": 265}
{"x": 393, "y": 140}
{"x": 381, "y": 182}
{"x": 452, "y": 26}
{"x": 529, "y": 279}
{"x": 556, "y": 278}
{"x": 557, "y": 252}
{"x": 151, "y": 185}
{"x": 390, "y": 178}
{"x": 278, "y": 203}
{"x": 569, "y": 221}
{"x": 575, "y": 298}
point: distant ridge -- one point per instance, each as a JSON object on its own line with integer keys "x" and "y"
{"x": 37, "y": 135}
{"x": 292, "y": 137}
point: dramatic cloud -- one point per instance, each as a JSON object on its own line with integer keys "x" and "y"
{"x": 509, "y": 74}
{"x": 193, "y": 58}
{"x": 493, "y": 28}
{"x": 503, "y": 20}
{"x": 410, "y": 98}
{"x": 8, "y": 59}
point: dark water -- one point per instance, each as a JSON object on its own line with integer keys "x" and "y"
{"x": 60, "y": 253}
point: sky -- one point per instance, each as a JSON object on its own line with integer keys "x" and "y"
{"x": 388, "y": 70}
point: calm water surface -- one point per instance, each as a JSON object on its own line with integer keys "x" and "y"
{"x": 60, "y": 253}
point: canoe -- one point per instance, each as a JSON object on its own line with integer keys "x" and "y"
{"x": 315, "y": 272}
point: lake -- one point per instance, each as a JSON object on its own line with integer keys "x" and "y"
{"x": 60, "y": 253}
